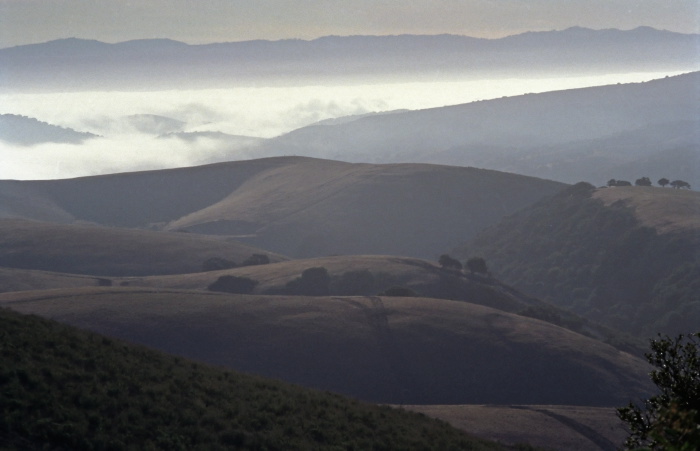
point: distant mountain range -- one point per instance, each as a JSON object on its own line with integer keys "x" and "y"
{"x": 84, "y": 64}
{"x": 591, "y": 134}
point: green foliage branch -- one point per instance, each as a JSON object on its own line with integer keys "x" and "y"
{"x": 671, "y": 419}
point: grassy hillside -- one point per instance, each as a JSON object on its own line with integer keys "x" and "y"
{"x": 359, "y": 275}
{"x": 62, "y": 388}
{"x": 137, "y": 199}
{"x": 320, "y": 207}
{"x": 108, "y": 251}
{"x": 389, "y": 350}
{"x": 551, "y": 427}
{"x": 296, "y": 206}
{"x": 346, "y": 276}
{"x": 627, "y": 257}
{"x": 12, "y": 279}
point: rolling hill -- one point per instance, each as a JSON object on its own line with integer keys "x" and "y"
{"x": 425, "y": 278}
{"x": 301, "y": 207}
{"x": 387, "y": 350}
{"x": 624, "y": 256}
{"x": 111, "y": 251}
{"x": 352, "y": 275}
{"x": 62, "y": 388}
{"x": 591, "y": 134}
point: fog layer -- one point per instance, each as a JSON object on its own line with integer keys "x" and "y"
{"x": 139, "y": 130}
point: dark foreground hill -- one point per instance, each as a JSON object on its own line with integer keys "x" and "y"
{"x": 389, "y": 350}
{"x": 625, "y": 256}
{"x": 62, "y": 388}
{"x": 111, "y": 251}
{"x": 301, "y": 207}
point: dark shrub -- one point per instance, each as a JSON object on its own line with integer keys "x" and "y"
{"x": 233, "y": 284}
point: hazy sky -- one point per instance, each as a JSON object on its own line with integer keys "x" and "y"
{"x": 202, "y": 21}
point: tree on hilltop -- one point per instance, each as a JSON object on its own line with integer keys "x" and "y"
{"x": 663, "y": 182}
{"x": 478, "y": 265}
{"x": 233, "y": 284}
{"x": 644, "y": 181}
{"x": 678, "y": 184}
{"x": 312, "y": 282}
{"x": 613, "y": 182}
{"x": 447, "y": 262}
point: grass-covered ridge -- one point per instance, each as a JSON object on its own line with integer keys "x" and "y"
{"x": 62, "y": 388}
{"x": 386, "y": 350}
{"x": 627, "y": 257}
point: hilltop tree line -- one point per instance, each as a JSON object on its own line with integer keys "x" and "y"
{"x": 474, "y": 265}
{"x": 645, "y": 181}
{"x": 317, "y": 281}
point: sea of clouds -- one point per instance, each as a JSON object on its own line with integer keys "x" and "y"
{"x": 130, "y": 141}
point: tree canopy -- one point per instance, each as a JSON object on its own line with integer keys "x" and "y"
{"x": 478, "y": 265}
{"x": 448, "y": 262}
{"x": 678, "y": 184}
{"x": 671, "y": 419}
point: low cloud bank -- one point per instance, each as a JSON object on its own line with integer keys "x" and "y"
{"x": 130, "y": 123}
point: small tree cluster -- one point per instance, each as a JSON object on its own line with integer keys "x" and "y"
{"x": 447, "y": 262}
{"x": 233, "y": 284}
{"x": 646, "y": 181}
{"x": 613, "y": 182}
{"x": 477, "y": 265}
{"x": 312, "y": 282}
{"x": 677, "y": 184}
{"x": 474, "y": 264}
